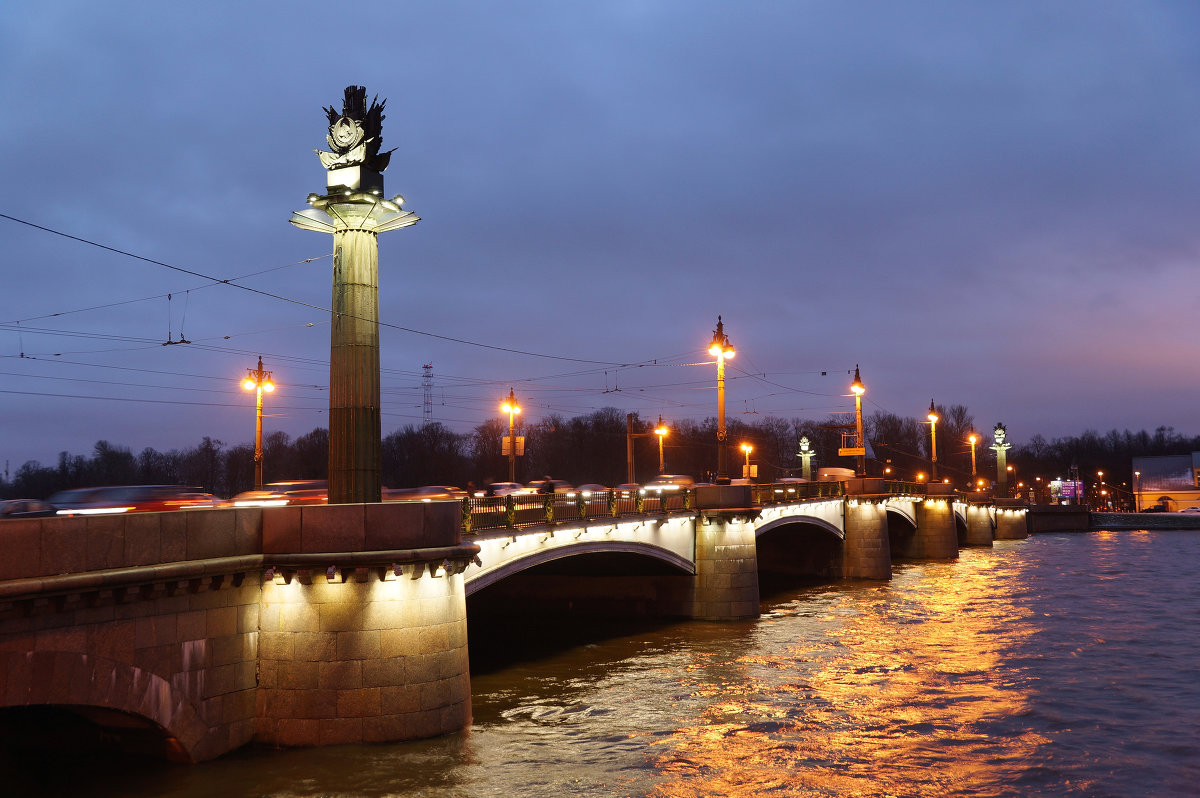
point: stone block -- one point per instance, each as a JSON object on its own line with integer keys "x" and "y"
{"x": 341, "y": 617}
{"x": 172, "y": 536}
{"x": 340, "y": 675}
{"x": 383, "y": 672}
{"x": 275, "y": 704}
{"x": 299, "y": 618}
{"x": 228, "y": 650}
{"x": 394, "y": 525}
{"x": 247, "y": 530}
{"x": 385, "y": 729}
{"x": 143, "y": 539}
{"x": 281, "y": 530}
{"x": 210, "y": 533}
{"x": 357, "y": 645}
{"x": 112, "y": 640}
{"x": 63, "y": 547}
{"x": 105, "y": 542}
{"x": 297, "y": 675}
{"x": 360, "y": 703}
{"x": 316, "y": 704}
{"x": 315, "y": 646}
{"x": 298, "y": 732}
{"x": 67, "y": 638}
{"x": 341, "y": 731}
{"x": 248, "y": 617}
{"x": 332, "y": 527}
{"x": 222, "y": 621}
{"x": 399, "y": 700}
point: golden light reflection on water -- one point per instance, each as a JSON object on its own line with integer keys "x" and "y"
{"x": 858, "y": 709}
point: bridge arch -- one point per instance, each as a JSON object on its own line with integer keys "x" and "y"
{"x": 480, "y": 580}
{"x": 810, "y": 520}
{"x": 136, "y": 711}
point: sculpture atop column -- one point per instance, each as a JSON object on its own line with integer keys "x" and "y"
{"x": 1000, "y": 447}
{"x": 354, "y": 211}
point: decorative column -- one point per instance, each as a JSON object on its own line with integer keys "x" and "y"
{"x": 1000, "y": 447}
{"x": 806, "y": 455}
{"x": 354, "y": 211}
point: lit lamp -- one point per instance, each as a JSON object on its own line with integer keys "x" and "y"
{"x": 1137, "y": 491}
{"x": 1000, "y": 432}
{"x": 661, "y": 431}
{"x": 511, "y": 407}
{"x": 859, "y": 389}
{"x": 258, "y": 381}
{"x": 721, "y": 349}
{"x": 747, "y": 448}
{"x": 933, "y": 420}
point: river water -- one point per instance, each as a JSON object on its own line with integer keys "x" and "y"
{"x": 1058, "y": 665}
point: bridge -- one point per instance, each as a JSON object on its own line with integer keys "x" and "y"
{"x": 188, "y": 634}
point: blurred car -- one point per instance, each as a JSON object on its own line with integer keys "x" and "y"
{"x": 278, "y": 494}
{"x": 501, "y": 489}
{"x": 591, "y": 489}
{"x": 549, "y": 486}
{"x": 664, "y": 482}
{"x": 428, "y": 493}
{"x": 131, "y": 499}
{"x": 25, "y": 508}
{"x": 1190, "y": 510}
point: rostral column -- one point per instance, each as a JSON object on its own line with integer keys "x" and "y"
{"x": 354, "y": 210}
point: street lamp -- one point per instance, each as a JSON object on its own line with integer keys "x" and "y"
{"x": 933, "y": 420}
{"x": 258, "y": 381}
{"x": 747, "y": 448}
{"x": 859, "y": 389}
{"x": 721, "y": 349}
{"x": 511, "y": 407}
{"x": 973, "y": 438}
{"x": 1137, "y": 491}
{"x": 661, "y": 431}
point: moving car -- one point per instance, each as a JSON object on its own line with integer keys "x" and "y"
{"x": 428, "y": 493}
{"x": 25, "y": 508}
{"x": 131, "y": 499}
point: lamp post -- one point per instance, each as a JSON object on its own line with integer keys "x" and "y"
{"x": 933, "y": 420}
{"x": 1137, "y": 491}
{"x": 859, "y": 389}
{"x": 661, "y": 432}
{"x": 973, "y": 439}
{"x": 747, "y": 448}
{"x": 721, "y": 349}
{"x": 511, "y": 407}
{"x": 258, "y": 381}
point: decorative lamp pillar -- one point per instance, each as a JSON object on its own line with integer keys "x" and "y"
{"x": 260, "y": 382}
{"x": 354, "y": 211}
{"x": 511, "y": 407}
{"x": 1137, "y": 491}
{"x": 1000, "y": 432}
{"x": 859, "y": 389}
{"x": 661, "y": 431}
{"x": 806, "y": 455}
{"x": 933, "y": 420}
{"x": 722, "y": 350}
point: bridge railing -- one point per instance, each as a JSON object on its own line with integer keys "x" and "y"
{"x": 518, "y": 511}
{"x": 897, "y": 487}
{"x": 788, "y": 492}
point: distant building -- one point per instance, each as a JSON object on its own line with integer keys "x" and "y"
{"x": 1171, "y": 482}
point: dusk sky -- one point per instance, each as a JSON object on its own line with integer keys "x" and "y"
{"x": 991, "y": 204}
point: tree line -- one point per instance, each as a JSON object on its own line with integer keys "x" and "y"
{"x": 593, "y": 449}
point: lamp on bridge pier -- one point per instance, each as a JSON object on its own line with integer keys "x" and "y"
{"x": 933, "y": 420}
{"x": 721, "y": 349}
{"x": 661, "y": 431}
{"x": 1137, "y": 491}
{"x": 511, "y": 407}
{"x": 258, "y": 381}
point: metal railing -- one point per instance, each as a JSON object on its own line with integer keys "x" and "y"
{"x": 520, "y": 510}
{"x": 788, "y": 492}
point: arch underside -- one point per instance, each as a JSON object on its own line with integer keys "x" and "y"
{"x": 130, "y": 709}
{"x": 543, "y": 556}
{"x": 808, "y": 520}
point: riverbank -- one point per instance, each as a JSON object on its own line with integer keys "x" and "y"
{"x": 1144, "y": 521}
